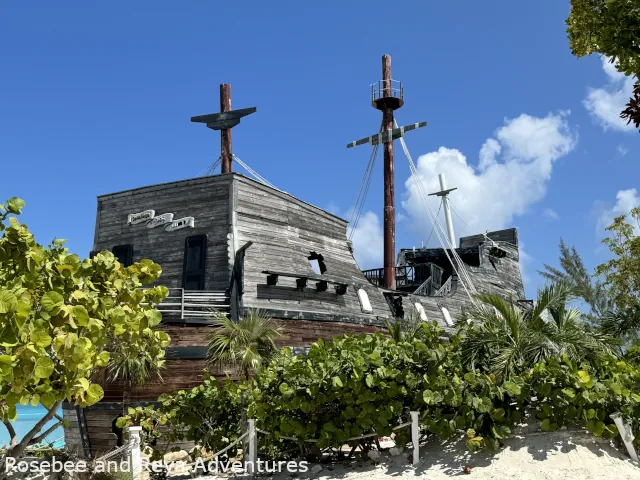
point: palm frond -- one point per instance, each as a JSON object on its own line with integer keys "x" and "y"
{"x": 248, "y": 343}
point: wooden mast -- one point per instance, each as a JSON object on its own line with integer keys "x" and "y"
{"x": 226, "y": 153}
{"x": 387, "y": 101}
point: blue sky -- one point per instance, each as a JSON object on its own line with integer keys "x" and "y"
{"x": 96, "y": 98}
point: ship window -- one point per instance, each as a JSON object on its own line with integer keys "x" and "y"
{"x": 365, "y": 304}
{"x": 447, "y": 316}
{"x": 124, "y": 254}
{"x": 420, "y": 310}
{"x": 316, "y": 261}
{"x": 195, "y": 262}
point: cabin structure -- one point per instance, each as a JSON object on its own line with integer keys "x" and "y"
{"x": 229, "y": 243}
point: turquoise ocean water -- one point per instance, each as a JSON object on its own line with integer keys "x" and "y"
{"x": 28, "y": 416}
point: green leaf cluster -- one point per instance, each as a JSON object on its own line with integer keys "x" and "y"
{"x": 353, "y": 386}
{"x": 571, "y": 394}
{"x": 59, "y": 313}
{"x": 208, "y": 415}
{"x": 607, "y": 27}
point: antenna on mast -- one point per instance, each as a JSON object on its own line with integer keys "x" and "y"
{"x": 444, "y": 192}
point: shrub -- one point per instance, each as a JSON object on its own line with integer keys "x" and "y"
{"x": 207, "y": 415}
{"x": 571, "y": 394}
{"x": 353, "y": 386}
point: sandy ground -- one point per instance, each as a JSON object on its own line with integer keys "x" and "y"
{"x": 536, "y": 455}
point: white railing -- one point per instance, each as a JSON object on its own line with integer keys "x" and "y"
{"x": 445, "y": 289}
{"x": 194, "y": 303}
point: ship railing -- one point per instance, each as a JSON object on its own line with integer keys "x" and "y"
{"x": 445, "y": 289}
{"x": 382, "y": 89}
{"x": 194, "y": 303}
{"x": 425, "y": 288}
{"x": 405, "y": 275}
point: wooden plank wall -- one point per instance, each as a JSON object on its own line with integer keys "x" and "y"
{"x": 206, "y": 199}
{"x": 72, "y": 436}
{"x": 284, "y": 231}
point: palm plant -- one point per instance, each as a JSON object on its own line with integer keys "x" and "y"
{"x": 131, "y": 370}
{"x": 504, "y": 338}
{"x": 583, "y": 285}
{"x": 248, "y": 344}
{"x": 406, "y": 328}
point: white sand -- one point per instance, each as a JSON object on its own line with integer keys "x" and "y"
{"x": 540, "y": 456}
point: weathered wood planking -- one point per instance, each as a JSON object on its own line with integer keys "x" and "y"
{"x": 206, "y": 199}
{"x": 285, "y": 231}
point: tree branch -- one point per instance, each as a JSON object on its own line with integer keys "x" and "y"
{"x": 18, "y": 450}
{"x": 41, "y": 437}
{"x": 12, "y": 432}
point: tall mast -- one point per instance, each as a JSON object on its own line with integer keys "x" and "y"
{"x": 387, "y": 100}
{"x": 226, "y": 153}
{"x": 447, "y": 211}
{"x": 444, "y": 193}
{"x": 387, "y": 95}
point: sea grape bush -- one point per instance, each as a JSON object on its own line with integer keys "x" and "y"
{"x": 353, "y": 386}
{"x": 358, "y": 385}
{"x": 58, "y": 314}
{"x": 208, "y": 415}
{"x": 568, "y": 393}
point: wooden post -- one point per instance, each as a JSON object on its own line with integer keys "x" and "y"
{"x": 415, "y": 436}
{"x": 253, "y": 447}
{"x": 182, "y": 304}
{"x": 135, "y": 456}
{"x": 626, "y": 434}
{"x": 389, "y": 191}
{"x": 225, "y": 133}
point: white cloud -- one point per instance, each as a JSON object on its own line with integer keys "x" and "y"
{"x": 551, "y": 214}
{"x": 606, "y": 103}
{"x": 368, "y": 242}
{"x": 512, "y": 174}
{"x": 625, "y": 201}
{"x": 525, "y": 262}
{"x": 622, "y": 150}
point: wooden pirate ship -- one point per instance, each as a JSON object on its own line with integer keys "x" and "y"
{"x": 229, "y": 243}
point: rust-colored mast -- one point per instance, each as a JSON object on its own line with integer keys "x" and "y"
{"x": 226, "y": 152}
{"x": 387, "y": 100}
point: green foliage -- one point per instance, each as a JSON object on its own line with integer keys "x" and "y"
{"x": 622, "y": 275}
{"x": 354, "y": 386}
{"x": 248, "y": 343}
{"x": 607, "y": 27}
{"x": 582, "y": 284}
{"x": 505, "y": 339}
{"x": 632, "y": 355}
{"x": 405, "y": 328}
{"x": 207, "y": 415}
{"x": 151, "y": 421}
{"x": 568, "y": 393}
{"x": 610, "y": 28}
{"x": 58, "y": 314}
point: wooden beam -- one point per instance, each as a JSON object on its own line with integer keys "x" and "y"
{"x": 387, "y": 135}
{"x": 223, "y": 120}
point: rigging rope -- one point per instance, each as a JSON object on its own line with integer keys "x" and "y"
{"x": 439, "y": 208}
{"x": 210, "y": 169}
{"x": 360, "y": 208}
{"x": 440, "y": 232}
{"x": 358, "y": 205}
